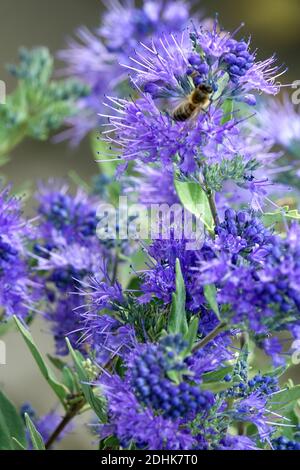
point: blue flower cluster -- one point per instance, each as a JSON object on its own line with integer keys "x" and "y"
{"x": 283, "y": 443}
{"x": 149, "y": 372}
{"x": 238, "y": 59}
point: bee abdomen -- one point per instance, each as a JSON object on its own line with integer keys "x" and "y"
{"x": 183, "y": 112}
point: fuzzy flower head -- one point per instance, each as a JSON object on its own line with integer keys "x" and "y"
{"x": 260, "y": 283}
{"x": 204, "y": 56}
{"x": 279, "y": 121}
{"x": 63, "y": 214}
{"x": 166, "y": 124}
{"x": 95, "y": 57}
{"x": 125, "y": 25}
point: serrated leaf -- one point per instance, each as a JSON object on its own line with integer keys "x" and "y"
{"x": 177, "y": 320}
{"x": 210, "y": 293}
{"x": 195, "y": 200}
{"x": 96, "y": 403}
{"x": 36, "y": 438}
{"x": 59, "y": 389}
{"x": 11, "y": 425}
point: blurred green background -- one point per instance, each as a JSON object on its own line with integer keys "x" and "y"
{"x": 274, "y": 26}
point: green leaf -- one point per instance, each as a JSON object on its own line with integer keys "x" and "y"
{"x": 270, "y": 218}
{"x": 222, "y": 84}
{"x": 18, "y": 445}
{"x": 177, "y": 320}
{"x": 216, "y": 387}
{"x": 285, "y": 399}
{"x": 210, "y": 293}
{"x": 102, "y": 151}
{"x": 11, "y": 425}
{"x": 110, "y": 443}
{"x": 36, "y": 438}
{"x": 57, "y": 362}
{"x": 96, "y": 403}
{"x": 195, "y": 200}
{"x": 59, "y": 389}
{"x": 218, "y": 375}
{"x": 279, "y": 371}
{"x": 192, "y": 333}
{"x": 69, "y": 379}
{"x": 228, "y": 107}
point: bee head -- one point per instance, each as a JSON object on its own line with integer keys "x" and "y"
{"x": 205, "y": 88}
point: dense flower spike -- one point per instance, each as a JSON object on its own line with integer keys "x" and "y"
{"x": 149, "y": 380}
{"x": 161, "y": 391}
{"x": 149, "y": 394}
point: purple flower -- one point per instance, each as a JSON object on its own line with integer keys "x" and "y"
{"x": 236, "y": 443}
{"x": 206, "y": 56}
{"x": 131, "y": 423}
{"x": 253, "y": 409}
{"x": 158, "y": 281}
{"x": 279, "y": 121}
{"x": 62, "y": 214}
{"x": 165, "y": 74}
{"x": 68, "y": 254}
{"x": 101, "y": 293}
{"x": 125, "y": 26}
{"x": 95, "y": 57}
{"x": 106, "y": 338}
{"x": 18, "y": 291}
{"x": 147, "y": 135}
{"x": 153, "y": 186}
{"x": 149, "y": 409}
{"x": 149, "y": 370}
{"x": 259, "y": 283}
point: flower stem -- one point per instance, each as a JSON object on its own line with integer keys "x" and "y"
{"x": 212, "y": 205}
{"x": 64, "y": 422}
{"x": 221, "y": 327}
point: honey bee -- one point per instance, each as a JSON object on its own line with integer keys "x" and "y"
{"x": 194, "y": 103}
